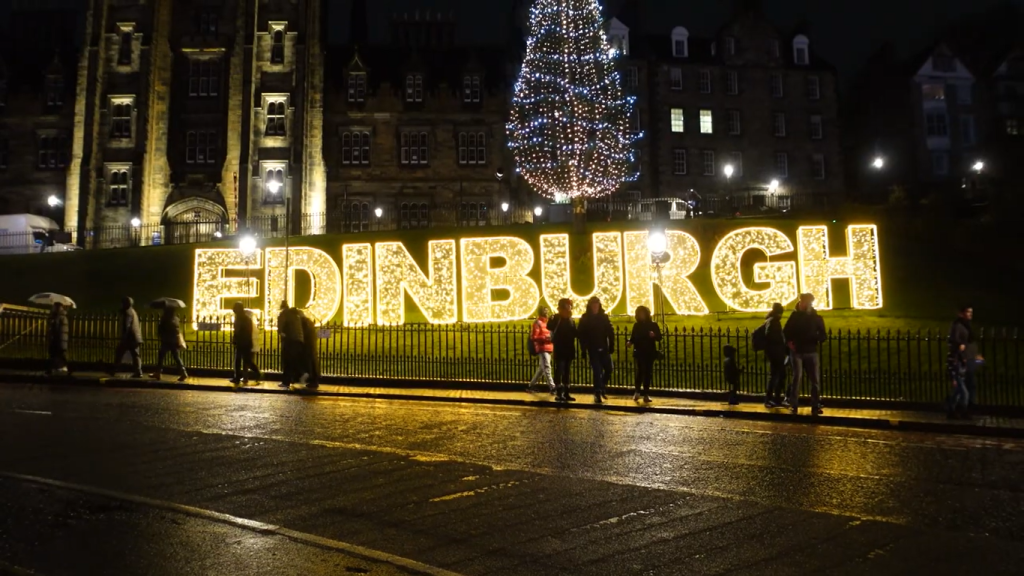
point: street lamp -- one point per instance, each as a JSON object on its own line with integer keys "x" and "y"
{"x": 504, "y": 206}
{"x": 136, "y": 222}
{"x": 247, "y": 246}
{"x": 274, "y": 186}
{"x": 773, "y": 186}
{"x": 978, "y": 166}
{"x": 729, "y": 171}
{"x": 657, "y": 244}
{"x": 53, "y": 201}
{"x": 879, "y": 163}
{"x": 538, "y": 211}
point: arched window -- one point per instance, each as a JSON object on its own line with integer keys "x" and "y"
{"x": 275, "y": 119}
{"x": 277, "y": 48}
{"x": 680, "y": 42}
{"x": 801, "y": 50}
{"x": 273, "y": 186}
{"x": 124, "y": 54}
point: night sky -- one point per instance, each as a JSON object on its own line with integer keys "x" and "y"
{"x": 845, "y": 32}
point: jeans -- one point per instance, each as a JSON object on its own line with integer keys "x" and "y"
{"x": 807, "y": 362}
{"x": 644, "y": 373}
{"x": 776, "y": 381}
{"x": 543, "y": 371}
{"x": 563, "y": 370}
{"x": 971, "y": 382}
{"x": 601, "y": 366}
{"x": 133, "y": 349}
{"x": 956, "y": 373}
{"x": 176, "y": 354}
{"x": 244, "y": 360}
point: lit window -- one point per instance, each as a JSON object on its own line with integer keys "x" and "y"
{"x": 472, "y": 148}
{"x": 817, "y": 130}
{"x": 678, "y": 120}
{"x": 679, "y": 161}
{"x": 709, "y": 162}
{"x": 677, "y": 78}
{"x": 779, "y": 124}
{"x": 705, "y": 82}
{"x": 734, "y": 122}
{"x": 777, "y": 86}
{"x": 782, "y": 164}
{"x": 732, "y": 83}
{"x": 706, "y": 126}
{"x": 813, "y": 87}
{"x": 355, "y": 148}
{"x": 273, "y": 186}
{"x": 414, "y": 148}
{"x": 356, "y": 87}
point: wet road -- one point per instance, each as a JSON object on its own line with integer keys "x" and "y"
{"x": 495, "y": 490}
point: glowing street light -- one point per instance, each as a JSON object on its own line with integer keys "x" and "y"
{"x": 274, "y": 186}
{"x": 504, "y": 206}
{"x": 378, "y": 211}
{"x": 538, "y": 211}
{"x": 53, "y": 201}
{"x": 247, "y": 245}
{"x": 879, "y": 163}
{"x": 978, "y": 166}
{"x": 773, "y": 187}
{"x": 729, "y": 171}
{"x": 136, "y": 222}
{"x": 656, "y": 243}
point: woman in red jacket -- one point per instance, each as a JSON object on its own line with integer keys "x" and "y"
{"x": 541, "y": 337}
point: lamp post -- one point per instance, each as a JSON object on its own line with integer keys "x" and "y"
{"x": 378, "y": 212}
{"x": 658, "y": 244}
{"x": 978, "y": 166}
{"x": 136, "y": 230}
{"x": 500, "y": 175}
{"x": 878, "y": 163}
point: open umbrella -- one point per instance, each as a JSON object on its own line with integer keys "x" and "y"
{"x": 161, "y": 303}
{"x": 49, "y": 299}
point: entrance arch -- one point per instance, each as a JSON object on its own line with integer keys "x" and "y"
{"x": 193, "y": 220}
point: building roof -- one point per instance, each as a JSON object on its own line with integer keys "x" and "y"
{"x": 438, "y": 65}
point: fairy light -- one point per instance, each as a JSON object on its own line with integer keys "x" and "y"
{"x": 434, "y": 293}
{"x": 683, "y": 257}
{"x": 818, "y": 268}
{"x": 569, "y": 126}
{"x": 210, "y": 286}
{"x": 357, "y": 286}
{"x": 555, "y": 272}
{"x": 325, "y": 288}
{"x": 727, "y": 273}
{"x": 479, "y": 279}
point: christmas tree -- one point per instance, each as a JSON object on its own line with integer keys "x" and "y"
{"x": 569, "y": 128}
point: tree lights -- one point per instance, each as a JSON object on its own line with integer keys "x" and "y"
{"x": 569, "y": 127}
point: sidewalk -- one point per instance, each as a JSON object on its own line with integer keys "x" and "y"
{"x": 618, "y": 401}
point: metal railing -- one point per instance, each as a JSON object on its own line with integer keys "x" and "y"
{"x": 888, "y": 365}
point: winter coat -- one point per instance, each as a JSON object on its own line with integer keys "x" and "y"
{"x": 57, "y": 330}
{"x": 960, "y": 334}
{"x": 289, "y": 325}
{"x": 131, "y": 330}
{"x": 804, "y": 331}
{"x": 775, "y": 340}
{"x": 243, "y": 334}
{"x": 563, "y": 336}
{"x": 309, "y": 333}
{"x": 169, "y": 331}
{"x": 644, "y": 347}
{"x": 541, "y": 336}
{"x": 596, "y": 332}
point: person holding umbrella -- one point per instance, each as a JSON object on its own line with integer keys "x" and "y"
{"x": 131, "y": 338}
{"x": 57, "y": 339}
{"x": 171, "y": 340}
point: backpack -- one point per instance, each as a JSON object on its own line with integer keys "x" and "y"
{"x": 759, "y": 338}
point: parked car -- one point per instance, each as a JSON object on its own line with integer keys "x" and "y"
{"x": 30, "y": 234}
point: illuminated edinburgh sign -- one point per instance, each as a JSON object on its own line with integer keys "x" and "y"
{"x": 494, "y": 279}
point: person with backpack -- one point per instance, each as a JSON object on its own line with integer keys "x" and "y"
{"x": 540, "y": 346}
{"x": 597, "y": 341}
{"x": 805, "y": 331}
{"x": 563, "y": 340}
{"x": 644, "y": 341}
{"x": 768, "y": 338}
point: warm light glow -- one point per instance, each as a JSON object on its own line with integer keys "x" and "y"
{"x": 434, "y": 293}
{"x": 656, "y": 243}
{"x": 556, "y": 270}
{"x": 210, "y": 286}
{"x": 879, "y": 163}
{"x": 538, "y": 211}
{"x": 378, "y": 212}
{"x": 727, "y": 274}
{"x": 817, "y": 268}
{"x": 773, "y": 186}
{"x": 247, "y": 244}
{"x": 729, "y": 170}
{"x": 480, "y": 279}
{"x": 979, "y": 166}
{"x": 274, "y": 186}
{"x": 504, "y": 206}
{"x": 325, "y": 282}
{"x": 53, "y": 201}
{"x": 680, "y": 293}
{"x": 357, "y": 287}
{"x": 136, "y": 222}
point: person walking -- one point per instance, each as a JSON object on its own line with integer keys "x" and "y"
{"x": 960, "y": 339}
{"x": 289, "y": 334}
{"x": 243, "y": 339}
{"x": 644, "y": 341}
{"x": 563, "y": 338}
{"x": 131, "y": 338}
{"x": 775, "y": 352}
{"x": 804, "y": 331}
{"x": 57, "y": 340}
{"x": 597, "y": 342}
{"x": 540, "y": 336}
{"x": 311, "y": 359}
{"x": 171, "y": 342}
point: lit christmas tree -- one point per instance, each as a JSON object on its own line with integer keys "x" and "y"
{"x": 569, "y": 129}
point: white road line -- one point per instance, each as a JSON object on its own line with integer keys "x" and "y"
{"x": 254, "y": 525}
{"x": 37, "y": 412}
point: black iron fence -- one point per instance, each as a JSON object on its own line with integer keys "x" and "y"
{"x": 888, "y": 365}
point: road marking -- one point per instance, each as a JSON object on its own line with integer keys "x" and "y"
{"x": 254, "y": 525}
{"x": 36, "y": 412}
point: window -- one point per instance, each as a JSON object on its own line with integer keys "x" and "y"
{"x": 779, "y": 124}
{"x": 801, "y": 50}
{"x": 472, "y": 148}
{"x": 817, "y": 130}
{"x": 963, "y": 93}
{"x": 730, "y": 45}
{"x": 208, "y": 22}
{"x": 356, "y": 215}
{"x": 734, "y": 122}
{"x": 732, "y": 83}
{"x": 705, "y": 82}
{"x": 680, "y": 42}
{"x": 933, "y": 92}
{"x": 203, "y": 77}
{"x": 414, "y": 88}
{"x": 677, "y": 78}
{"x": 121, "y": 120}
{"x": 124, "y": 52}
{"x": 54, "y": 92}
{"x": 678, "y": 120}
{"x": 277, "y": 46}
{"x": 774, "y": 48}
{"x": 473, "y": 213}
{"x": 940, "y": 163}
{"x": 5, "y": 152}
{"x": 1011, "y": 127}
{"x": 415, "y": 148}
{"x": 813, "y": 87}
{"x": 709, "y": 162}
{"x": 275, "y": 118}
{"x": 201, "y": 147}
{"x": 119, "y": 185}
{"x": 356, "y": 87}
{"x": 943, "y": 63}
{"x": 777, "y": 86}
{"x": 471, "y": 88}
{"x": 414, "y": 215}
{"x": 967, "y": 130}
{"x": 818, "y": 166}
{"x": 632, "y": 77}
{"x": 706, "y": 126}
{"x": 736, "y": 160}
{"x": 679, "y": 161}
{"x": 936, "y": 124}
{"x": 273, "y": 186}
{"x": 782, "y": 164}
{"x": 634, "y": 120}
{"x": 355, "y": 148}
{"x": 52, "y": 151}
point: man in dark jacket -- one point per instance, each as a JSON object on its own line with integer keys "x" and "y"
{"x": 131, "y": 338}
{"x": 289, "y": 333}
{"x": 171, "y": 342}
{"x": 597, "y": 340}
{"x": 959, "y": 362}
{"x": 804, "y": 331}
{"x": 242, "y": 338}
{"x": 563, "y": 336}
{"x": 775, "y": 351}
{"x": 57, "y": 339}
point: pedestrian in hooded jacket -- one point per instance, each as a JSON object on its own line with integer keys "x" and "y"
{"x": 563, "y": 337}
{"x": 289, "y": 334}
{"x": 959, "y": 359}
{"x": 131, "y": 338}
{"x": 57, "y": 339}
{"x": 243, "y": 338}
{"x": 597, "y": 341}
{"x": 644, "y": 341}
{"x": 805, "y": 331}
{"x": 171, "y": 342}
{"x": 541, "y": 338}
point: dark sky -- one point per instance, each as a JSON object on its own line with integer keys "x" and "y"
{"x": 844, "y": 32}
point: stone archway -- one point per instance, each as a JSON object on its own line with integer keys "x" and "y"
{"x": 193, "y": 220}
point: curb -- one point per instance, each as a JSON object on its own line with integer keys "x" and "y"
{"x": 825, "y": 420}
